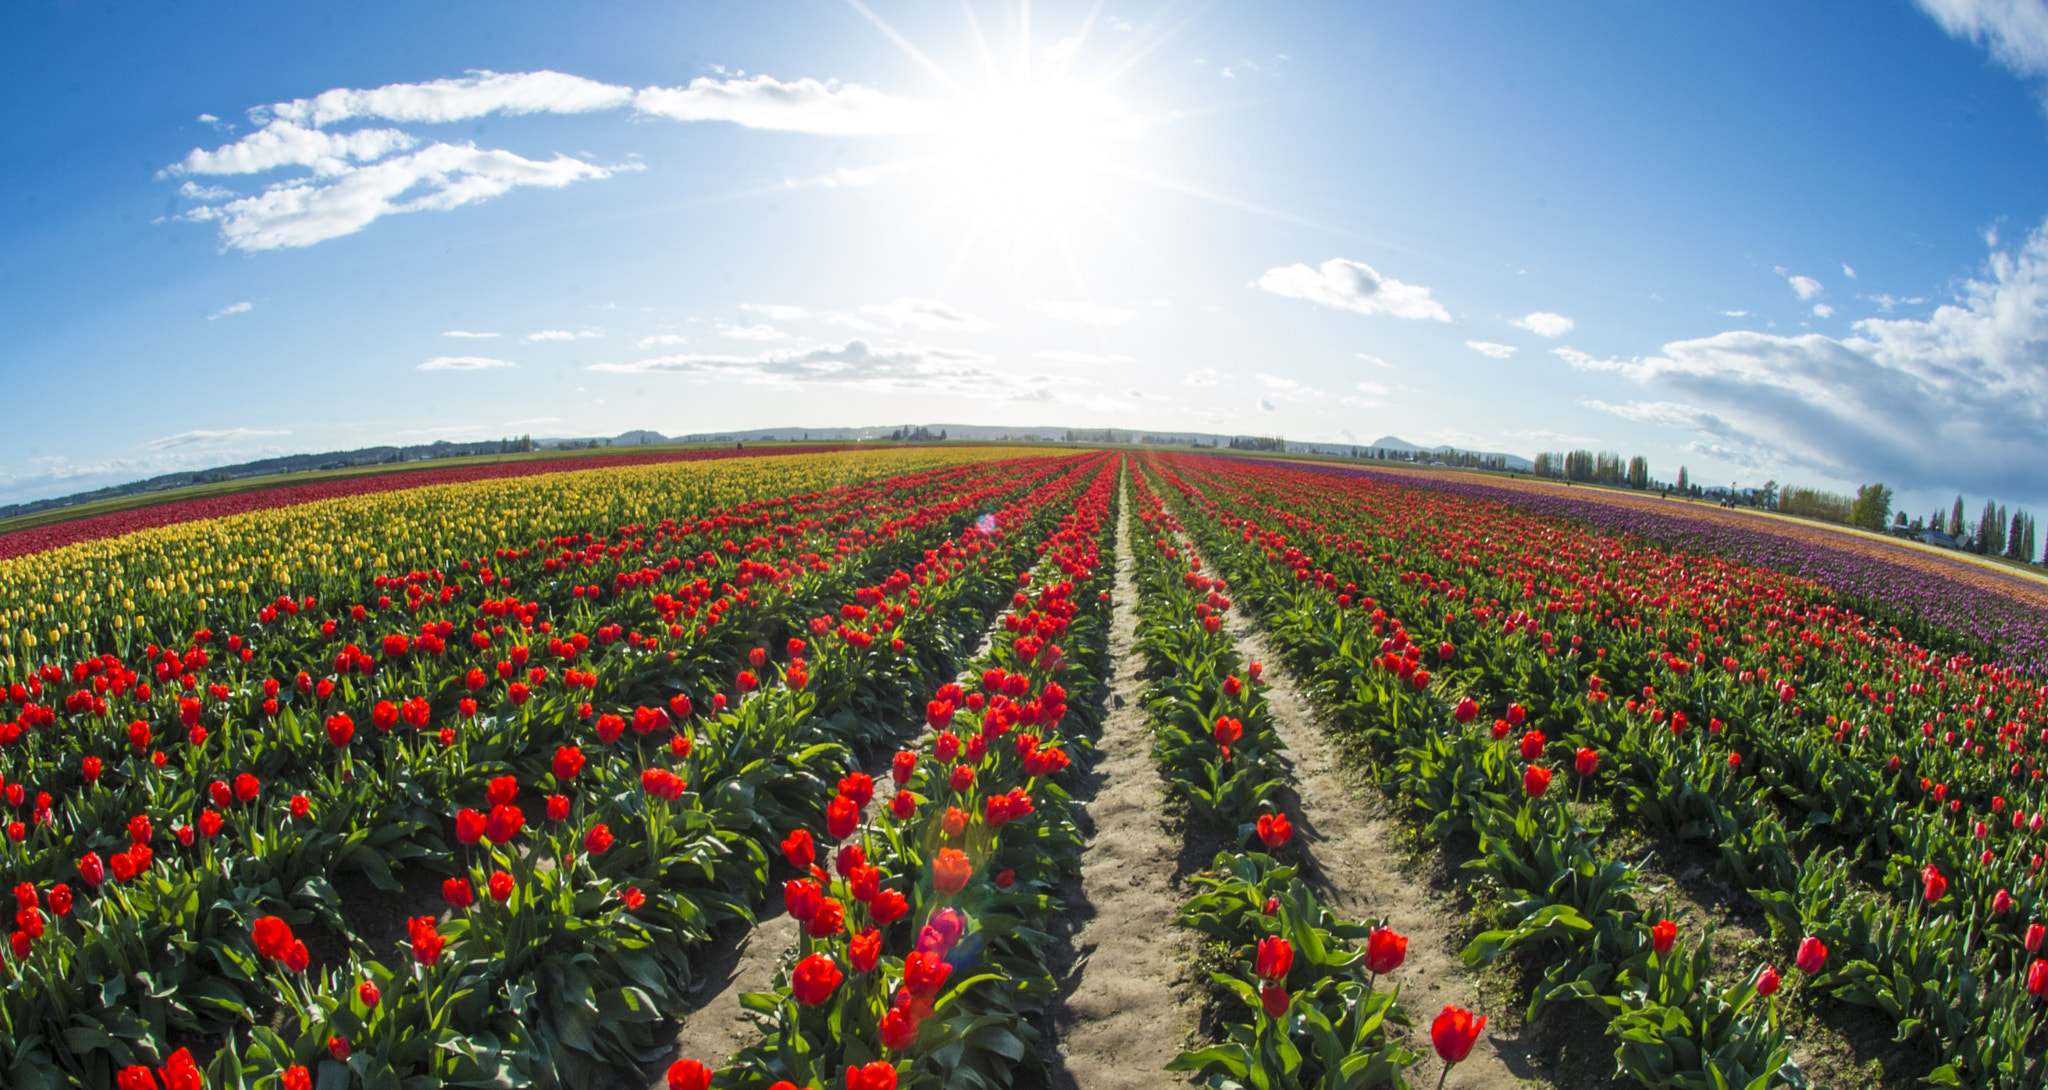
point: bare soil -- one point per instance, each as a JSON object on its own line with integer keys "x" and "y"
{"x": 1352, "y": 852}
{"x": 1126, "y": 1004}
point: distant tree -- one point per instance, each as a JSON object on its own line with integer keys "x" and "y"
{"x": 1990, "y": 531}
{"x": 1900, "y": 518}
{"x": 1542, "y": 464}
{"x": 1683, "y": 479}
{"x": 1873, "y": 507}
{"x": 1639, "y": 472}
{"x": 1767, "y": 496}
{"x": 1935, "y": 522}
{"x": 2016, "y": 544}
{"x": 1955, "y": 519}
{"x": 1607, "y": 467}
{"x": 1813, "y": 503}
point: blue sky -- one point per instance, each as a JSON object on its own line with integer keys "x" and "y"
{"x": 1801, "y": 242}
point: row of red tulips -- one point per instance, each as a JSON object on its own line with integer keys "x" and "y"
{"x": 631, "y": 866}
{"x": 922, "y": 957}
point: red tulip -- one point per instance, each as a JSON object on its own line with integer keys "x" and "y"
{"x": 950, "y": 871}
{"x": 1274, "y": 829}
{"x": 297, "y": 1078}
{"x": 842, "y": 817}
{"x": 2037, "y": 979}
{"x": 888, "y": 907}
{"x": 426, "y": 939}
{"x": 828, "y": 920}
{"x": 899, "y": 1030}
{"x": 367, "y": 993}
{"x": 879, "y": 1075}
{"x": 503, "y": 823}
{"x": 1467, "y": 709}
{"x": 501, "y": 887}
{"x": 864, "y": 950}
{"x": 568, "y": 762}
{"x": 1532, "y": 745}
{"x": 599, "y": 839}
{"x": 1454, "y": 1032}
{"x": 1812, "y": 955}
{"x": 1274, "y": 958}
{"x": 799, "y": 850}
{"x": 2035, "y": 933}
{"x": 924, "y": 973}
{"x": 1663, "y": 936}
{"x": 1385, "y": 950}
{"x": 1588, "y": 762}
{"x": 1536, "y": 781}
{"x": 340, "y": 728}
{"x": 688, "y": 1075}
{"x": 1767, "y": 981}
{"x": 1228, "y": 731}
{"x": 1274, "y": 1000}
{"x": 814, "y": 979}
{"x": 1935, "y": 886}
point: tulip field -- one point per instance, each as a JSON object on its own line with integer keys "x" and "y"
{"x": 458, "y": 782}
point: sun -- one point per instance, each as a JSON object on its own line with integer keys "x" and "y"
{"x": 1027, "y": 151}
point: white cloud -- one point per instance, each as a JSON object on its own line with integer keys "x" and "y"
{"x": 776, "y": 312}
{"x": 2014, "y": 31}
{"x": 1957, "y": 399}
{"x": 1847, "y": 271}
{"x": 463, "y": 363}
{"x": 1736, "y": 313}
{"x": 1206, "y": 376}
{"x": 1376, "y": 361}
{"x": 232, "y": 308}
{"x": 1062, "y": 355}
{"x": 283, "y": 143}
{"x": 193, "y": 191}
{"x": 827, "y": 107}
{"x": 476, "y": 95}
{"x": 1085, "y": 313}
{"x": 466, "y": 333}
{"x": 1582, "y": 362}
{"x": 661, "y": 338}
{"x": 924, "y": 314}
{"x": 564, "y": 335}
{"x": 1544, "y": 324}
{"x": 204, "y": 438}
{"x": 752, "y": 332}
{"x": 438, "y": 177}
{"x": 1373, "y": 388}
{"x": 1806, "y": 287}
{"x": 1349, "y": 285}
{"x": 1822, "y": 310}
{"x": 1488, "y": 348}
{"x": 892, "y": 368}
{"x": 1887, "y": 303}
{"x": 1287, "y": 389}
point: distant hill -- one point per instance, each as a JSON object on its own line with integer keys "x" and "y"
{"x": 370, "y": 456}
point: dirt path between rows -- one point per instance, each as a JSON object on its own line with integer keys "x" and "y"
{"x": 1354, "y": 860}
{"x": 1126, "y": 1007}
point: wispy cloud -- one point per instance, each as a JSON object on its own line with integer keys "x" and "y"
{"x": 1350, "y": 285}
{"x": 1287, "y": 389}
{"x": 1488, "y": 348}
{"x": 463, "y": 363}
{"x": 924, "y": 314}
{"x": 776, "y": 312}
{"x": 564, "y": 335}
{"x": 231, "y": 308}
{"x": 1806, "y": 287}
{"x": 1085, "y": 313}
{"x": 894, "y": 368}
{"x": 202, "y": 437}
{"x": 465, "y": 333}
{"x": 1545, "y": 324}
{"x": 1959, "y": 398}
{"x": 661, "y": 339}
{"x": 760, "y": 332}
